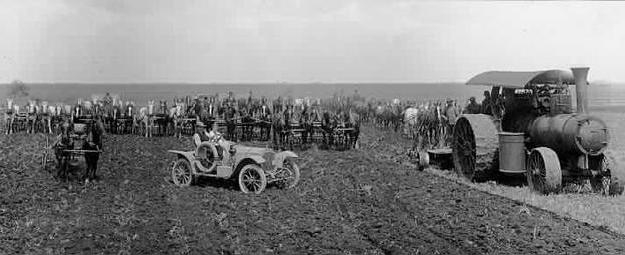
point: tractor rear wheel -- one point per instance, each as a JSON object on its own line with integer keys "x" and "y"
{"x": 475, "y": 147}
{"x": 544, "y": 174}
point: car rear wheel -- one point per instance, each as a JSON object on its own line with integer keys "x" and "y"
{"x": 288, "y": 174}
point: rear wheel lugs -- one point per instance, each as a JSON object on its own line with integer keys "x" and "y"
{"x": 475, "y": 147}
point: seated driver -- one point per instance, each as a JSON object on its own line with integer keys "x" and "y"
{"x": 202, "y": 136}
{"x": 214, "y": 133}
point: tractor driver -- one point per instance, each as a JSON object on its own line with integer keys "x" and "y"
{"x": 473, "y": 107}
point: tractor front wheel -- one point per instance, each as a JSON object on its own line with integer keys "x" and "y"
{"x": 544, "y": 174}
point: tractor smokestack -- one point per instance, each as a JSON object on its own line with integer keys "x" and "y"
{"x": 581, "y": 88}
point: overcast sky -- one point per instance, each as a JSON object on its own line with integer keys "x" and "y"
{"x": 303, "y": 41}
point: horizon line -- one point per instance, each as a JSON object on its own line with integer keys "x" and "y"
{"x": 227, "y": 83}
{"x": 599, "y": 82}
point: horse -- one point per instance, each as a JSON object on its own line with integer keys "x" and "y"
{"x": 328, "y": 124}
{"x": 247, "y": 124}
{"x": 8, "y": 116}
{"x": 93, "y": 144}
{"x": 125, "y": 119}
{"x": 278, "y": 123}
{"x": 31, "y": 120}
{"x": 175, "y": 114}
{"x": 142, "y": 122}
{"x": 45, "y": 117}
{"x": 264, "y": 114}
{"x": 410, "y": 121}
{"x": 353, "y": 121}
{"x": 160, "y": 119}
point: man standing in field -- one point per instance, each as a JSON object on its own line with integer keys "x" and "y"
{"x": 450, "y": 117}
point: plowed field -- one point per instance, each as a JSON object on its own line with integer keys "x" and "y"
{"x": 365, "y": 201}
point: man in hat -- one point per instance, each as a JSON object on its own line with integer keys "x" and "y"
{"x": 473, "y": 107}
{"x": 450, "y": 116}
{"x": 200, "y": 134}
{"x": 487, "y": 104}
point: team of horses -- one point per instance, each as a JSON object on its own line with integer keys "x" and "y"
{"x": 424, "y": 122}
{"x": 283, "y": 122}
{"x": 289, "y": 122}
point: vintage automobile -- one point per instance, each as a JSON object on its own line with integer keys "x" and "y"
{"x": 254, "y": 167}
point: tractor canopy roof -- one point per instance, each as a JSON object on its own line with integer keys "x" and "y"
{"x": 522, "y": 79}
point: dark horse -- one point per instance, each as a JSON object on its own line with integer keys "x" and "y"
{"x": 328, "y": 124}
{"x": 91, "y": 146}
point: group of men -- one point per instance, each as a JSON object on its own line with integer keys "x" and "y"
{"x": 434, "y": 122}
{"x": 486, "y": 107}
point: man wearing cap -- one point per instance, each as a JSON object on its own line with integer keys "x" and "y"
{"x": 200, "y": 134}
{"x": 451, "y": 114}
{"x": 473, "y": 107}
{"x": 487, "y": 104}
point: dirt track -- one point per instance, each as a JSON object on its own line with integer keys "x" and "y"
{"x": 346, "y": 202}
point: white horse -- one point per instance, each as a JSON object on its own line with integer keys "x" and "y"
{"x": 8, "y": 116}
{"x": 32, "y": 116}
{"x": 175, "y": 115}
{"x": 411, "y": 119}
{"x": 142, "y": 121}
{"x": 45, "y": 116}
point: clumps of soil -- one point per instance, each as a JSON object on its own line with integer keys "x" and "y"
{"x": 355, "y": 201}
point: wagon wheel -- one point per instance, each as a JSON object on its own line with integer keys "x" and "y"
{"x": 475, "y": 147}
{"x": 252, "y": 179}
{"x": 544, "y": 174}
{"x": 288, "y": 175}
{"x": 181, "y": 173}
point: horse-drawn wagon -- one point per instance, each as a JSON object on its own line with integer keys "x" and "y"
{"x": 79, "y": 143}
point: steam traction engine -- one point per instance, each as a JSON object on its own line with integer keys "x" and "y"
{"x": 532, "y": 130}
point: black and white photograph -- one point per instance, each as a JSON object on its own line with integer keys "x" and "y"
{"x": 312, "y": 127}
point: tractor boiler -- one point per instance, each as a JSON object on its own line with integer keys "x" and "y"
{"x": 570, "y": 134}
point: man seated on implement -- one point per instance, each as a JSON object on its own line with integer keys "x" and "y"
{"x": 203, "y": 138}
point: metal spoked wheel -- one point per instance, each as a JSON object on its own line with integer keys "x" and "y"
{"x": 288, "y": 175}
{"x": 544, "y": 174}
{"x": 601, "y": 183}
{"x": 252, "y": 179}
{"x": 181, "y": 173}
{"x": 612, "y": 179}
{"x": 475, "y": 147}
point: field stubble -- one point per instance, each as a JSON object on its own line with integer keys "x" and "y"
{"x": 582, "y": 205}
{"x": 368, "y": 201}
